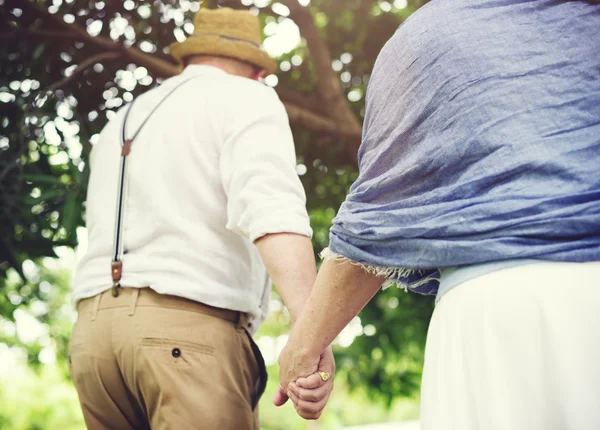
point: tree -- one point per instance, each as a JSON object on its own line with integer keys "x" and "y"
{"x": 69, "y": 65}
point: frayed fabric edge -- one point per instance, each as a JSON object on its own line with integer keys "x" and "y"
{"x": 392, "y": 274}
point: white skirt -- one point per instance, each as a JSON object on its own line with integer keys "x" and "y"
{"x": 516, "y": 349}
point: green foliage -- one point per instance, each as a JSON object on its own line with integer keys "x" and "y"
{"x": 41, "y": 304}
{"x": 45, "y": 139}
{"x": 42, "y": 401}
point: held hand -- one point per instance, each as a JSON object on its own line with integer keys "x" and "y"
{"x": 311, "y": 394}
{"x": 305, "y": 386}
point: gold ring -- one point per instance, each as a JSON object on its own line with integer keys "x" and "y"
{"x": 324, "y": 376}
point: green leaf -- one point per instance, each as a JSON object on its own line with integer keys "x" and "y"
{"x": 39, "y": 50}
{"x": 42, "y": 179}
{"x": 71, "y": 214}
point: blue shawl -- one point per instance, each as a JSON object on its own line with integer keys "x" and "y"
{"x": 481, "y": 142}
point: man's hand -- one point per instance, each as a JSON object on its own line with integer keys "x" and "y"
{"x": 305, "y": 387}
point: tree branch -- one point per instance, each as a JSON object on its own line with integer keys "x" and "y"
{"x": 330, "y": 90}
{"x": 157, "y": 66}
{"x": 303, "y": 100}
{"x": 10, "y": 167}
{"x": 319, "y": 124}
{"x": 333, "y": 118}
{"x": 37, "y": 34}
{"x": 84, "y": 65}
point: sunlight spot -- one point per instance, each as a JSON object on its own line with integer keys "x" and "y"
{"x": 284, "y": 66}
{"x": 385, "y": 6}
{"x": 179, "y": 34}
{"x": 301, "y": 169}
{"x": 370, "y": 330}
{"x": 147, "y": 47}
{"x": 94, "y": 28}
{"x": 280, "y": 9}
{"x": 7, "y": 97}
{"x": 271, "y": 347}
{"x": 347, "y": 336}
{"x": 144, "y": 11}
{"x": 271, "y": 28}
{"x": 69, "y": 70}
{"x": 47, "y": 355}
{"x": 29, "y": 329}
{"x": 188, "y": 27}
{"x": 272, "y": 80}
{"x": 355, "y": 95}
{"x": 285, "y": 38}
{"x": 59, "y": 158}
{"x": 26, "y": 85}
{"x": 346, "y": 58}
{"x": 140, "y": 73}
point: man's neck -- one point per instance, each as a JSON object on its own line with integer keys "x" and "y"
{"x": 229, "y": 66}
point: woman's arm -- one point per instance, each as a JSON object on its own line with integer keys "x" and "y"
{"x": 341, "y": 290}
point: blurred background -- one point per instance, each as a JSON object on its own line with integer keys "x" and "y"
{"x": 66, "y": 67}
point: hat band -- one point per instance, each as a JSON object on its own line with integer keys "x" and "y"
{"x": 234, "y": 39}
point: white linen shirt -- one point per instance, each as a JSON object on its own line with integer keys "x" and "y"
{"x": 212, "y": 170}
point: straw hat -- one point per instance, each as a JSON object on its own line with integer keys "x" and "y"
{"x": 226, "y": 33}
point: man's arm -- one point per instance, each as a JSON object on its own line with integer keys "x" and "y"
{"x": 290, "y": 262}
{"x": 266, "y": 202}
{"x": 341, "y": 290}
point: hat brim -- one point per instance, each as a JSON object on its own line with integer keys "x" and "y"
{"x": 215, "y": 45}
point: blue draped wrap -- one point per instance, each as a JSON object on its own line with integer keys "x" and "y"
{"x": 481, "y": 141}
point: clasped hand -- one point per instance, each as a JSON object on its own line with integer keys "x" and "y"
{"x": 300, "y": 381}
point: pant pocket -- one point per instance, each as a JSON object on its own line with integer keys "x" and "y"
{"x": 176, "y": 353}
{"x": 260, "y": 384}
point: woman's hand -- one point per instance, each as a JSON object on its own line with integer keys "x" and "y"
{"x": 308, "y": 390}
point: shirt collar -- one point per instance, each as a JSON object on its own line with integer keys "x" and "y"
{"x": 202, "y": 69}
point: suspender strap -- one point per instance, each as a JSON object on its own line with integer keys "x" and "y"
{"x": 116, "y": 268}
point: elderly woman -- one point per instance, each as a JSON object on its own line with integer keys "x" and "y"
{"x": 479, "y": 183}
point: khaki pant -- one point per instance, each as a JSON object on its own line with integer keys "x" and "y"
{"x": 144, "y": 360}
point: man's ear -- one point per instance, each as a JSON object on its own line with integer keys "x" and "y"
{"x": 258, "y": 74}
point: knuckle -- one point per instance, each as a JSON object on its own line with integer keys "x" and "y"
{"x": 314, "y": 398}
{"x": 310, "y": 415}
{"x": 309, "y": 409}
{"x": 309, "y": 396}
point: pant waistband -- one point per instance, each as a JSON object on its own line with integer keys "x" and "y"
{"x": 137, "y": 297}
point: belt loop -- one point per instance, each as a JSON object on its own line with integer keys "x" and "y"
{"x": 96, "y": 306}
{"x": 242, "y": 321}
{"x": 134, "y": 299}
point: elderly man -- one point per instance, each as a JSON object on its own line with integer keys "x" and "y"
{"x": 201, "y": 171}
{"x": 479, "y": 182}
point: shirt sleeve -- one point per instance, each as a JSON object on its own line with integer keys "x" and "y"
{"x": 258, "y": 168}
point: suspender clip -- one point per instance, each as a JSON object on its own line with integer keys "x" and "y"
{"x": 126, "y": 150}
{"x": 116, "y": 269}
